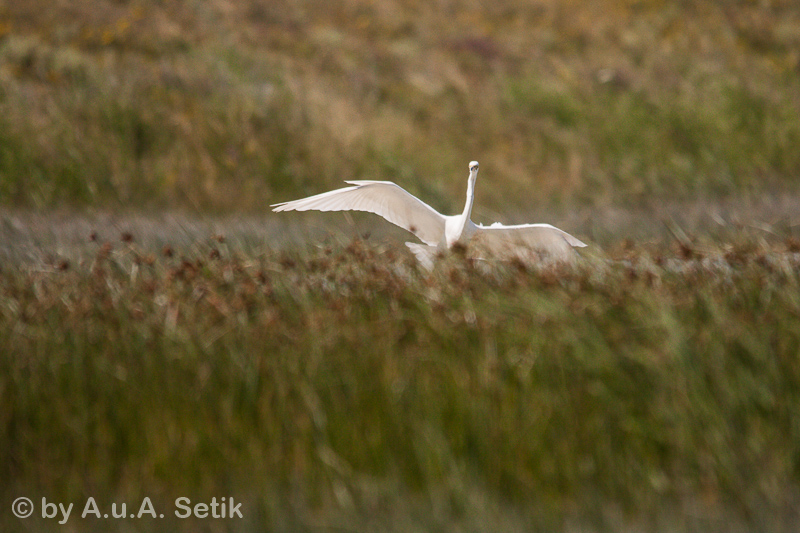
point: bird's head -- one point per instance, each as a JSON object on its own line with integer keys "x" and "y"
{"x": 473, "y": 166}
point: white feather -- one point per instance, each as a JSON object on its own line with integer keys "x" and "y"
{"x": 396, "y": 205}
{"x": 383, "y": 198}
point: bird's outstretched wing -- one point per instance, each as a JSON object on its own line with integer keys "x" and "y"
{"x": 383, "y": 198}
{"x": 505, "y": 240}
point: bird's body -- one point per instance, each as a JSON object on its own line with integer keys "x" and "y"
{"x": 437, "y": 231}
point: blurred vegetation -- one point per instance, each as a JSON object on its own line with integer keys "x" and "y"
{"x": 657, "y": 389}
{"x": 338, "y": 387}
{"x": 234, "y": 105}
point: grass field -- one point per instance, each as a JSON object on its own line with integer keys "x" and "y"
{"x": 651, "y": 386}
{"x": 163, "y": 335}
{"x": 230, "y": 105}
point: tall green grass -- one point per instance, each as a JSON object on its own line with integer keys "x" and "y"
{"x": 232, "y": 109}
{"x": 345, "y": 388}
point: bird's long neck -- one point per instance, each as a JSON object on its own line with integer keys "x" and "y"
{"x": 458, "y": 227}
{"x": 473, "y": 175}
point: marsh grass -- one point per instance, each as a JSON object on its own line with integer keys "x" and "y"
{"x": 211, "y": 108}
{"x": 335, "y": 386}
{"x": 343, "y": 387}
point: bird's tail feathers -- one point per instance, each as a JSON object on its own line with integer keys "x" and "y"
{"x": 425, "y": 254}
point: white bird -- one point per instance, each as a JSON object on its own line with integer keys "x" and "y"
{"x": 437, "y": 231}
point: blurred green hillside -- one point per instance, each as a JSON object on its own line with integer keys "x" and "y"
{"x": 228, "y": 105}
